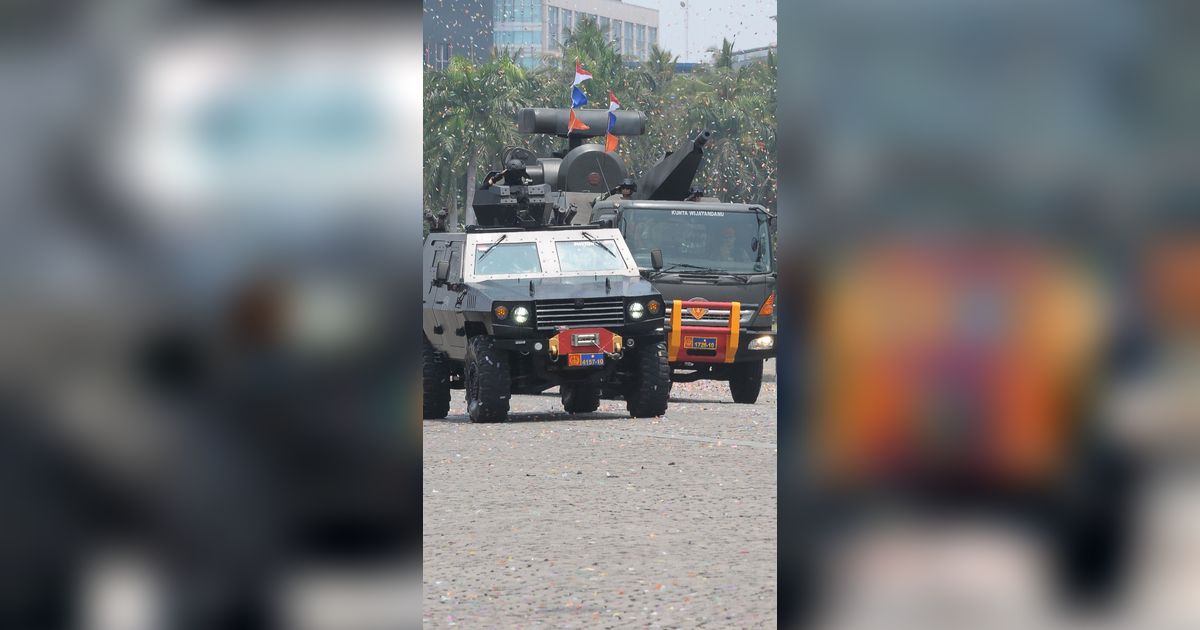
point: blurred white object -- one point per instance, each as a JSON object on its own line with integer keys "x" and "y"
{"x": 273, "y": 127}
{"x": 930, "y": 574}
{"x": 327, "y": 598}
{"x": 122, "y": 592}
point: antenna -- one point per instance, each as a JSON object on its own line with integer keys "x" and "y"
{"x": 600, "y": 167}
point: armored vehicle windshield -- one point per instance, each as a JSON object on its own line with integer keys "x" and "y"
{"x": 548, "y": 253}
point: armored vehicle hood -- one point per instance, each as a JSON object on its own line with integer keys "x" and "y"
{"x": 564, "y": 288}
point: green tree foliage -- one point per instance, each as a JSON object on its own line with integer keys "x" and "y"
{"x": 470, "y": 114}
{"x": 463, "y": 131}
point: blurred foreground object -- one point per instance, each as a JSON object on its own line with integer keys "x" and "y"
{"x": 969, "y": 184}
{"x": 204, "y": 337}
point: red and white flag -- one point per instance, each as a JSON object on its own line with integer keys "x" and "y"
{"x": 581, "y": 75}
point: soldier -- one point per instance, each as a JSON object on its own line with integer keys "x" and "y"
{"x": 627, "y": 188}
{"x": 436, "y": 220}
{"x": 694, "y": 194}
{"x": 513, "y": 175}
{"x": 726, "y": 244}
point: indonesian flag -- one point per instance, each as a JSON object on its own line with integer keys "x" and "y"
{"x": 610, "y": 141}
{"x": 574, "y": 124}
{"x": 578, "y": 98}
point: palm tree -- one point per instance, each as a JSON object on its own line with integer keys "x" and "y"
{"x": 723, "y": 57}
{"x": 469, "y": 114}
{"x": 469, "y": 120}
{"x": 659, "y": 68}
{"x": 738, "y": 106}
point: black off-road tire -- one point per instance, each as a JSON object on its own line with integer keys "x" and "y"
{"x": 582, "y": 398}
{"x": 435, "y": 382}
{"x": 488, "y": 387}
{"x": 745, "y": 381}
{"x": 650, "y": 389}
{"x": 1093, "y": 526}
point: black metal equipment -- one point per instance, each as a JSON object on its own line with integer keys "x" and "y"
{"x": 671, "y": 178}
{"x": 529, "y": 192}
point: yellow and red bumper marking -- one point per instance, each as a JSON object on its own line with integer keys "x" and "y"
{"x": 704, "y": 344}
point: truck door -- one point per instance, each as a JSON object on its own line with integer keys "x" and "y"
{"x": 431, "y": 320}
{"x": 455, "y": 322}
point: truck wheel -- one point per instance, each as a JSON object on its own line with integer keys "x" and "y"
{"x": 435, "y": 381}
{"x": 745, "y": 380}
{"x": 1093, "y": 529}
{"x": 583, "y": 398}
{"x": 487, "y": 381}
{"x": 650, "y": 388}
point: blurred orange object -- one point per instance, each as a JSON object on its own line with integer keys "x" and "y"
{"x": 953, "y": 362}
{"x": 1173, "y": 284}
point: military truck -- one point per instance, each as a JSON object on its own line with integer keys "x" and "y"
{"x": 718, "y": 281}
{"x": 717, "y": 271}
{"x": 524, "y": 301}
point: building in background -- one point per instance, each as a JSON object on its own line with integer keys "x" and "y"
{"x": 458, "y": 28}
{"x": 750, "y": 55}
{"x": 537, "y": 28}
{"x": 681, "y": 67}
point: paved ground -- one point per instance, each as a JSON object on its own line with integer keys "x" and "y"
{"x": 600, "y": 520}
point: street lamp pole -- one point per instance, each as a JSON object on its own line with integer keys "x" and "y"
{"x": 686, "y": 30}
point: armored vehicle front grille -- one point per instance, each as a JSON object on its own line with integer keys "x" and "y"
{"x": 714, "y": 316}
{"x": 592, "y": 312}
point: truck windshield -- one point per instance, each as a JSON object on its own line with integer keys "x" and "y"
{"x": 737, "y": 242}
{"x": 590, "y": 255}
{"x": 506, "y": 258}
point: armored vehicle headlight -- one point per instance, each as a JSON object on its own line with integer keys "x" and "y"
{"x": 520, "y": 315}
{"x": 636, "y": 310}
{"x": 501, "y": 312}
{"x": 654, "y": 306}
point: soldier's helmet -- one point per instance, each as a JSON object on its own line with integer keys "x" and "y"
{"x": 695, "y": 192}
{"x": 628, "y": 183}
{"x": 514, "y": 170}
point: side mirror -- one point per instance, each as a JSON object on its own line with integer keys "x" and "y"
{"x": 443, "y": 272}
{"x": 656, "y": 259}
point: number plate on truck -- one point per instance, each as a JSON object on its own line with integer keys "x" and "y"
{"x": 581, "y": 359}
{"x": 700, "y": 343}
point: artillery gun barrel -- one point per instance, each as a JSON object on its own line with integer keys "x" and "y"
{"x": 672, "y": 176}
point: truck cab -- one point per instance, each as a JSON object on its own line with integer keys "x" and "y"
{"x": 717, "y": 277}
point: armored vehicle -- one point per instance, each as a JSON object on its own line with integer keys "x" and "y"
{"x": 718, "y": 272}
{"x": 524, "y": 302}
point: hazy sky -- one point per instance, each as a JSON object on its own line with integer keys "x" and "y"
{"x": 747, "y": 22}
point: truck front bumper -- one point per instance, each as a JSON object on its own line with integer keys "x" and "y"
{"x": 722, "y": 343}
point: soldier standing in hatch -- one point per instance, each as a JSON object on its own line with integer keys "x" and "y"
{"x": 513, "y": 175}
{"x": 695, "y": 194}
{"x": 627, "y": 188}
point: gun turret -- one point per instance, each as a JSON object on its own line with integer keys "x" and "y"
{"x": 528, "y": 206}
{"x": 671, "y": 178}
{"x": 533, "y": 191}
{"x": 583, "y": 168}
